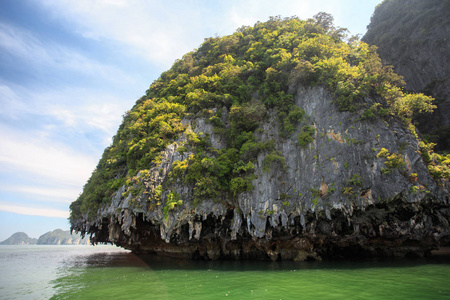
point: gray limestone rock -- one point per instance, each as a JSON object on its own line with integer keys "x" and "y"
{"x": 414, "y": 37}
{"x": 333, "y": 198}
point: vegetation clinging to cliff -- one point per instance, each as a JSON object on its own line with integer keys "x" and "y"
{"x": 233, "y": 82}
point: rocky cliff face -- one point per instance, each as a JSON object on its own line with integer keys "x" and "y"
{"x": 332, "y": 198}
{"x": 414, "y": 37}
{"x": 315, "y": 169}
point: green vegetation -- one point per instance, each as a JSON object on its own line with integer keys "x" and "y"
{"x": 306, "y": 136}
{"x": 414, "y": 189}
{"x": 173, "y": 199}
{"x": 274, "y": 158}
{"x": 355, "y": 180}
{"x": 393, "y": 160}
{"x": 352, "y": 184}
{"x": 247, "y": 74}
{"x": 158, "y": 194}
{"x": 315, "y": 195}
{"x": 348, "y": 190}
{"x": 438, "y": 165}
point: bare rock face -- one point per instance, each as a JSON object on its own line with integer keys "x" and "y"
{"x": 335, "y": 197}
{"x": 414, "y": 37}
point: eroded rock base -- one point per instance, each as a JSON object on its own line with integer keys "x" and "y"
{"x": 397, "y": 229}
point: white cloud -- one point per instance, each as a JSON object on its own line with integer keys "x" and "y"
{"x": 37, "y": 161}
{"x": 10, "y": 103}
{"x": 22, "y": 154}
{"x": 157, "y": 31}
{"x": 46, "y": 55}
{"x": 162, "y": 31}
{"x": 65, "y": 194}
{"x": 74, "y": 108}
{"x": 21, "y": 43}
{"x": 249, "y": 12}
{"x": 103, "y": 116}
{"x": 33, "y": 211}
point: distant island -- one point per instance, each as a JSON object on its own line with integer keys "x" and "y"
{"x": 19, "y": 238}
{"x": 55, "y": 237}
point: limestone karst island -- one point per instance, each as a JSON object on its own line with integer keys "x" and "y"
{"x": 288, "y": 140}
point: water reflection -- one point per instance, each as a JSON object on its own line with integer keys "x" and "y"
{"x": 106, "y": 259}
{"x": 105, "y": 274}
{"x": 167, "y": 263}
{"x": 119, "y": 258}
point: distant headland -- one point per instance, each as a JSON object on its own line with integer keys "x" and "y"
{"x": 55, "y": 237}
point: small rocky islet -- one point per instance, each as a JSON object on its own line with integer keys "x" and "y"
{"x": 287, "y": 140}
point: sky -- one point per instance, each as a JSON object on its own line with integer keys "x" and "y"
{"x": 69, "y": 70}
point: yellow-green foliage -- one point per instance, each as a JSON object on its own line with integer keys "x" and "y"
{"x": 405, "y": 105}
{"x": 173, "y": 199}
{"x": 393, "y": 160}
{"x": 438, "y": 165}
{"x": 158, "y": 194}
{"x": 248, "y": 73}
{"x": 179, "y": 168}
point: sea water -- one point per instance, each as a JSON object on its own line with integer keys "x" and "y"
{"x": 106, "y": 272}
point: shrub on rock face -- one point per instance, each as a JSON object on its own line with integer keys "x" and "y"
{"x": 306, "y": 135}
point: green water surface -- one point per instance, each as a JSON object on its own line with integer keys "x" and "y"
{"x": 126, "y": 276}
